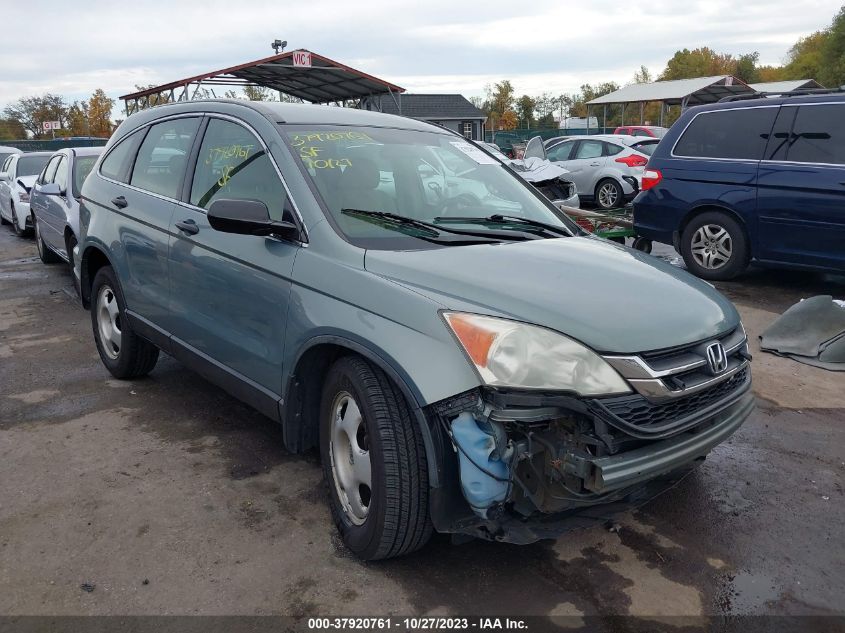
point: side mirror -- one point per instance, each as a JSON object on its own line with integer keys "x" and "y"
{"x": 247, "y": 217}
{"x": 49, "y": 189}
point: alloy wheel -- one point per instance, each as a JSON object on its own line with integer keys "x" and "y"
{"x": 711, "y": 246}
{"x": 38, "y": 243}
{"x": 607, "y": 195}
{"x": 108, "y": 322}
{"x": 349, "y": 452}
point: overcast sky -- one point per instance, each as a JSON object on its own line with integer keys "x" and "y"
{"x": 431, "y": 46}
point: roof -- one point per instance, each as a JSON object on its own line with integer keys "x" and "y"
{"x": 697, "y": 91}
{"x": 323, "y": 81}
{"x": 426, "y": 106}
{"x": 785, "y": 86}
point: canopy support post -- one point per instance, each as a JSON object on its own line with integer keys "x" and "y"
{"x": 604, "y": 119}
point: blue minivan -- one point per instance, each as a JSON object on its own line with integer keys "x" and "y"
{"x": 760, "y": 179}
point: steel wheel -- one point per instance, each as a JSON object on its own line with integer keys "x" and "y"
{"x": 349, "y": 452}
{"x": 711, "y": 246}
{"x": 108, "y": 322}
{"x": 608, "y": 195}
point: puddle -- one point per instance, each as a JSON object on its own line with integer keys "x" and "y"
{"x": 747, "y": 593}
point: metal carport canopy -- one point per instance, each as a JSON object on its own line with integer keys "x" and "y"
{"x": 687, "y": 92}
{"x": 323, "y": 81}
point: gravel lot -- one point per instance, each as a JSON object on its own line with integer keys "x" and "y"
{"x": 165, "y": 495}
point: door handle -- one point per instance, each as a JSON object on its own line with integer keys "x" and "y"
{"x": 595, "y": 164}
{"x": 120, "y": 202}
{"x": 188, "y": 226}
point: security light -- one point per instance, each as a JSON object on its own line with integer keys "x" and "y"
{"x": 278, "y": 45}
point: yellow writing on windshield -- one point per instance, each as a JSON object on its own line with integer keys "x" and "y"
{"x": 329, "y": 163}
{"x": 300, "y": 139}
{"x": 216, "y": 154}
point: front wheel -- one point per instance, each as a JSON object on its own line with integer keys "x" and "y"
{"x": 714, "y": 246}
{"x": 47, "y": 256}
{"x": 609, "y": 194}
{"x": 123, "y": 352}
{"x": 374, "y": 462}
{"x": 20, "y": 232}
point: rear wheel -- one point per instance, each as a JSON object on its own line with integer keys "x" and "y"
{"x": 373, "y": 461}
{"x": 609, "y": 194}
{"x": 714, "y": 246}
{"x": 123, "y": 352}
{"x": 47, "y": 256}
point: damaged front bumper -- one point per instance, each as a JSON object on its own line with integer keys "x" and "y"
{"x": 541, "y": 465}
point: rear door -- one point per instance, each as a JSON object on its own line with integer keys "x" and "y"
{"x": 56, "y": 207}
{"x": 229, "y": 293}
{"x": 801, "y": 198}
{"x": 588, "y": 157}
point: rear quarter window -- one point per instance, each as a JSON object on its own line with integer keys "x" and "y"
{"x": 737, "y": 134}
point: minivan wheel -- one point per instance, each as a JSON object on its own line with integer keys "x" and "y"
{"x": 123, "y": 352}
{"x": 373, "y": 461}
{"x": 609, "y": 194}
{"x": 47, "y": 256}
{"x": 714, "y": 246}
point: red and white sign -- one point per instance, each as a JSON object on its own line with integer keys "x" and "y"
{"x": 301, "y": 59}
{"x": 52, "y": 125}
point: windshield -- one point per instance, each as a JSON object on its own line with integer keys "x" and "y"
{"x": 31, "y": 165}
{"x": 430, "y": 177}
{"x": 81, "y": 168}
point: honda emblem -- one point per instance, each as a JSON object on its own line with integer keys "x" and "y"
{"x": 716, "y": 358}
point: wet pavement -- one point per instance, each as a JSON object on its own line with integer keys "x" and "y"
{"x": 165, "y": 495}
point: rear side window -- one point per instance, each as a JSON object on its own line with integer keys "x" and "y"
{"x": 589, "y": 149}
{"x": 818, "y": 135}
{"x": 610, "y": 149}
{"x": 163, "y": 156}
{"x": 116, "y": 164}
{"x": 740, "y": 133}
{"x": 233, "y": 165}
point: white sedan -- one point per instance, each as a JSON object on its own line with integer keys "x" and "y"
{"x": 17, "y": 177}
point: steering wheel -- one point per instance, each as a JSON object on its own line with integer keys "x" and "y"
{"x": 460, "y": 203}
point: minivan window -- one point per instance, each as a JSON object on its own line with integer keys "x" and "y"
{"x": 232, "y": 164}
{"x": 427, "y": 176}
{"x": 739, "y": 133}
{"x": 82, "y": 166}
{"x": 818, "y": 135}
{"x": 163, "y": 156}
{"x": 31, "y": 165}
{"x": 116, "y": 163}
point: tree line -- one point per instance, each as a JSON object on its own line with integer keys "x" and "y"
{"x": 819, "y": 56}
{"x": 26, "y": 117}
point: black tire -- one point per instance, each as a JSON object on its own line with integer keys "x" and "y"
{"x": 711, "y": 223}
{"x": 618, "y": 197}
{"x": 15, "y": 227}
{"x": 70, "y": 243}
{"x": 397, "y": 520}
{"x": 134, "y": 356}
{"x": 47, "y": 256}
{"x": 642, "y": 244}
{"x": 3, "y": 221}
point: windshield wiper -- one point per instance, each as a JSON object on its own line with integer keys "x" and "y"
{"x": 500, "y": 219}
{"x": 434, "y": 231}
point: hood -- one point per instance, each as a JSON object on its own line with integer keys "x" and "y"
{"x": 611, "y": 298}
{"x": 27, "y": 181}
{"x": 537, "y": 169}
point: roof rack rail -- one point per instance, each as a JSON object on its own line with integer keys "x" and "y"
{"x": 792, "y": 93}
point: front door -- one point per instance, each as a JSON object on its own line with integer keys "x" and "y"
{"x": 230, "y": 293}
{"x": 801, "y": 187}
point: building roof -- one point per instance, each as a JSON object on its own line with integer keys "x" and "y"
{"x": 696, "y": 91}
{"x": 322, "y": 81}
{"x": 781, "y": 87}
{"x": 424, "y": 106}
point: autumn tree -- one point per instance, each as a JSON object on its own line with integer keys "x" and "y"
{"x": 500, "y": 99}
{"x": 508, "y": 120}
{"x": 11, "y": 129}
{"x": 77, "y": 119}
{"x": 99, "y": 114}
{"x": 32, "y": 112}
{"x": 699, "y": 62}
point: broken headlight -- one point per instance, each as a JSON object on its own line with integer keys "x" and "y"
{"x": 512, "y": 354}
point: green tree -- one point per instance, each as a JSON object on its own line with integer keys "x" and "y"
{"x": 643, "y": 76}
{"x": 11, "y": 130}
{"x": 32, "y": 112}
{"x": 699, "y": 62}
{"x": 746, "y": 67}
{"x": 804, "y": 59}
{"x": 832, "y": 71}
{"x": 525, "y": 106}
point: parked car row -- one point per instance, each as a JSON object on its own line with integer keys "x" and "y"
{"x": 405, "y": 303}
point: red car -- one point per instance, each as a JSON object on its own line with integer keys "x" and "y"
{"x": 641, "y": 130}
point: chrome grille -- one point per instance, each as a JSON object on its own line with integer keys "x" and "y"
{"x": 680, "y": 372}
